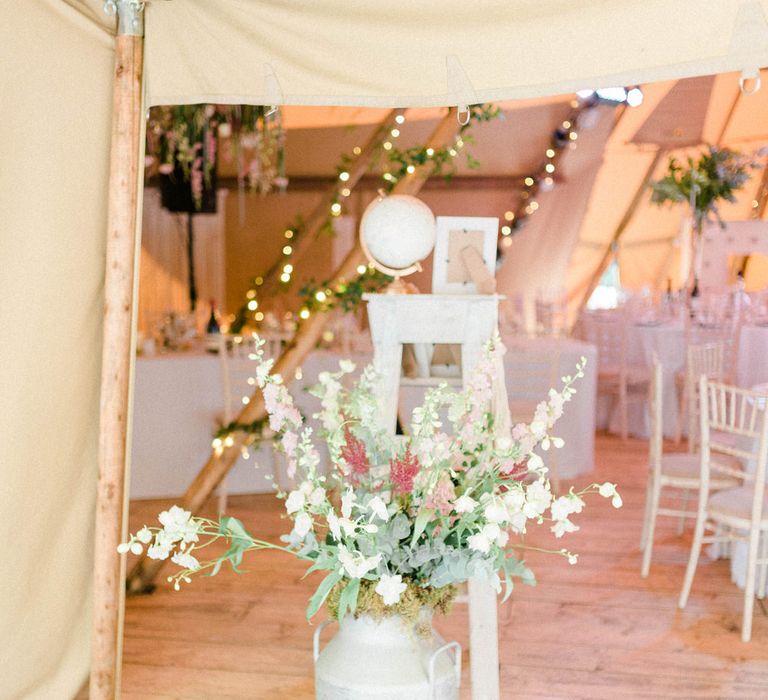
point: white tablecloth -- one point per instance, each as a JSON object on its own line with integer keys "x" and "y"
{"x": 178, "y": 405}
{"x": 577, "y": 426}
{"x": 752, "y": 360}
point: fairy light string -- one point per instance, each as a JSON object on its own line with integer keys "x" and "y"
{"x": 395, "y": 163}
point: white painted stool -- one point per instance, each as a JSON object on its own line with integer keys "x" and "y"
{"x": 470, "y": 321}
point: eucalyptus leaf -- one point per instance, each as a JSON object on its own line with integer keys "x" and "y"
{"x": 319, "y": 596}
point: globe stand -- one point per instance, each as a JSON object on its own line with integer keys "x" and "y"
{"x": 397, "y": 285}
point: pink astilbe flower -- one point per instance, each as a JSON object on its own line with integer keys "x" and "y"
{"x": 354, "y": 454}
{"x": 403, "y": 470}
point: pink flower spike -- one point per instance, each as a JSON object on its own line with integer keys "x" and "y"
{"x": 403, "y": 470}
{"x": 354, "y": 454}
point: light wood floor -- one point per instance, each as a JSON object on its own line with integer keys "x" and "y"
{"x": 594, "y": 630}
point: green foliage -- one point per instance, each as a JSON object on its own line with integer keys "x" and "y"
{"x": 240, "y": 541}
{"x": 256, "y": 428}
{"x": 345, "y": 295}
{"x": 412, "y": 601}
{"x": 317, "y": 600}
{"x": 442, "y": 161}
{"x": 716, "y": 176}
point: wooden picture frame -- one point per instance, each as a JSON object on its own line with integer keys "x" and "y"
{"x": 455, "y": 234}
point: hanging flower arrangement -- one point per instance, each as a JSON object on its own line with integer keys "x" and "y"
{"x": 185, "y": 143}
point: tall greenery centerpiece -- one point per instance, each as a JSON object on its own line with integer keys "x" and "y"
{"x": 702, "y": 185}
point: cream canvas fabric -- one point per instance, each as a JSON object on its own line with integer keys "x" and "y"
{"x": 55, "y": 84}
{"x": 416, "y": 54}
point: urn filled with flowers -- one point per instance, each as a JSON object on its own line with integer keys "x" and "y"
{"x": 397, "y": 522}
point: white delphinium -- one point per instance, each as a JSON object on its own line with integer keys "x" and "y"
{"x": 302, "y": 524}
{"x": 564, "y": 506}
{"x": 185, "y": 561}
{"x": 378, "y": 508}
{"x": 390, "y": 588}
{"x": 347, "y": 501}
{"x": 608, "y": 490}
{"x": 295, "y": 501}
{"x": 355, "y": 563}
{"x": 563, "y": 526}
{"x": 479, "y": 542}
{"x": 317, "y": 497}
{"x": 489, "y": 535}
{"x": 495, "y": 510}
{"x": 178, "y": 524}
{"x": 340, "y": 526}
{"x": 537, "y": 499}
{"x": 465, "y": 504}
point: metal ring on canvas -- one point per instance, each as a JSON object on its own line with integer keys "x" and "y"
{"x": 270, "y": 111}
{"x": 463, "y": 115}
{"x": 743, "y": 83}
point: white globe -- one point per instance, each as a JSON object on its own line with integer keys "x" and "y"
{"x": 398, "y": 231}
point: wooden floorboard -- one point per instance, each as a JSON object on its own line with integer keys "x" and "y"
{"x": 595, "y": 630}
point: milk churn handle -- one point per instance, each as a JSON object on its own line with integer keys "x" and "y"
{"x": 316, "y": 638}
{"x": 456, "y": 664}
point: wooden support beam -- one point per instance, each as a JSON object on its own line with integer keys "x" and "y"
{"x": 319, "y": 215}
{"x": 316, "y": 183}
{"x": 309, "y": 333}
{"x": 122, "y": 215}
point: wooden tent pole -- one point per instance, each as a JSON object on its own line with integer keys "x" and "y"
{"x": 319, "y": 215}
{"x": 219, "y": 463}
{"x": 116, "y": 349}
{"x": 619, "y": 231}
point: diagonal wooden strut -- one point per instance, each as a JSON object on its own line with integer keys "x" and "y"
{"x": 319, "y": 215}
{"x": 218, "y": 465}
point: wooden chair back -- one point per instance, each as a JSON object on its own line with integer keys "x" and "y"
{"x": 608, "y": 332}
{"x": 237, "y": 354}
{"x": 734, "y": 421}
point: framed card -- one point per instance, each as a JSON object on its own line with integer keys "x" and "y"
{"x": 460, "y": 241}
